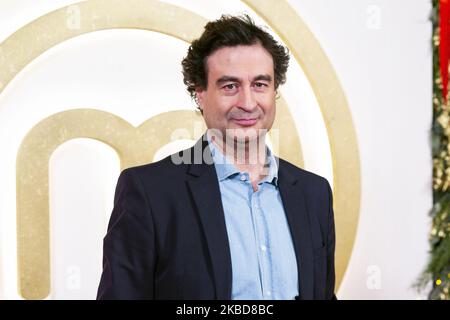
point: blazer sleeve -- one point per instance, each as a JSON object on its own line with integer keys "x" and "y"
{"x": 331, "y": 245}
{"x": 129, "y": 246}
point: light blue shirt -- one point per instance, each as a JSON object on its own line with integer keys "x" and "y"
{"x": 263, "y": 259}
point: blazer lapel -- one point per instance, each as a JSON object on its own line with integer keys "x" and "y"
{"x": 206, "y": 194}
{"x": 297, "y": 216}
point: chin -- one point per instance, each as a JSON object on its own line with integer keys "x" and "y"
{"x": 242, "y": 135}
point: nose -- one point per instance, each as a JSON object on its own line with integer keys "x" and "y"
{"x": 247, "y": 100}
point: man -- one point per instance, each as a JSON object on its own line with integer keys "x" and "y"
{"x": 224, "y": 219}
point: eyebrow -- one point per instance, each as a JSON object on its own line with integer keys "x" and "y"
{"x": 264, "y": 77}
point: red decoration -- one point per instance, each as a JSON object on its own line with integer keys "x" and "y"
{"x": 444, "y": 45}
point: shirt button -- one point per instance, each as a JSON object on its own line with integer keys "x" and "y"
{"x": 264, "y": 248}
{"x": 243, "y": 178}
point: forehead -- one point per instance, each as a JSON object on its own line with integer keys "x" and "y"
{"x": 240, "y": 61}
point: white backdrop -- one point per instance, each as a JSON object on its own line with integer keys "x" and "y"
{"x": 382, "y": 55}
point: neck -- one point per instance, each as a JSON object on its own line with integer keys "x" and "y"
{"x": 247, "y": 156}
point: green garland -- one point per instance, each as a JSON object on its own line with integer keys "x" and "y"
{"x": 438, "y": 269}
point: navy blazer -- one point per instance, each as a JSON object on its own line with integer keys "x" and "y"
{"x": 167, "y": 236}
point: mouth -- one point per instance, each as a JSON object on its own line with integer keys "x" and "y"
{"x": 245, "y": 122}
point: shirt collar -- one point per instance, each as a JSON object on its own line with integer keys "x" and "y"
{"x": 225, "y": 168}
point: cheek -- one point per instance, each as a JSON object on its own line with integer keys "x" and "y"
{"x": 215, "y": 116}
{"x": 222, "y": 109}
{"x": 268, "y": 107}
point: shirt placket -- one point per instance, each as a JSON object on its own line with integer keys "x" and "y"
{"x": 262, "y": 243}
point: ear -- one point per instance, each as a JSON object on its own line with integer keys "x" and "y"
{"x": 200, "y": 97}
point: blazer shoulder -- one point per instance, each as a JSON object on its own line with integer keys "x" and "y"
{"x": 306, "y": 177}
{"x": 161, "y": 171}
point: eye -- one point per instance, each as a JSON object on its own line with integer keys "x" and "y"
{"x": 230, "y": 86}
{"x": 260, "y": 85}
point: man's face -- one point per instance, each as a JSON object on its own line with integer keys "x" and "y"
{"x": 240, "y": 94}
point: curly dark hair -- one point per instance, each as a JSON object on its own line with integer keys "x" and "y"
{"x": 229, "y": 31}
